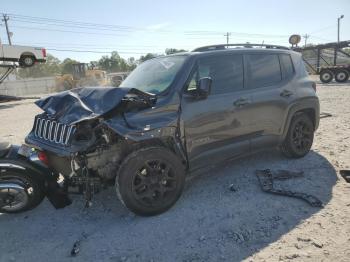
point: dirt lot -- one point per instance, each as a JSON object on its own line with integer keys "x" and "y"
{"x": 210, "y": 222}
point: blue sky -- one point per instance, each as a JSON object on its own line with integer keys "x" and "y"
{"x": 151, "y": 26}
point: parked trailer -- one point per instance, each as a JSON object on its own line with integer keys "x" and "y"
{"x": 339, "y": 72}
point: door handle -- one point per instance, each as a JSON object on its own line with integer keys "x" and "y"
{"x": 241, "y": 102}
{"x": 286, "y": 93}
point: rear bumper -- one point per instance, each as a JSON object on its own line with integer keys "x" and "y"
{"x": 41, "y": 60}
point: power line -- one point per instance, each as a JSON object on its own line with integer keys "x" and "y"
{"x": 96, "y": 46}
{"x": 108, "y": 27}
{"x": 323, "y": 29}
{"x": 321, "y": 38}
{"x": 61, "y": 21}
{"x": 91, "y": 51}
{"x": 248, "y": 36}
{"x": 66, "y": 31}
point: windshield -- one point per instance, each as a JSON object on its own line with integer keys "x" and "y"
{"x": 156, "y": 75}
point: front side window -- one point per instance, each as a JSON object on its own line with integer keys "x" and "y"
{"x": 263, "y": 70}
{"x": 156, "y": 75}
{"x": 226, "y": 72}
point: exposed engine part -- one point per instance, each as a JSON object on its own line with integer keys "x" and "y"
{"x": 77, "y": 184}
{"x": 266, "y": 178}
{"x": 59, "y": 164}
{"x": 87, "y": 185}
{"x": 105, "y": 161}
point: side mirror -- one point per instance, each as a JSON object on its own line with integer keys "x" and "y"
{"x": 204, "y": 87}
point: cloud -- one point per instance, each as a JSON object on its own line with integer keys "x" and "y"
{"x": 158, "y": 26}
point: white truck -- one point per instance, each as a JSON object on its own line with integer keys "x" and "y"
{"x": 26, "y": 56}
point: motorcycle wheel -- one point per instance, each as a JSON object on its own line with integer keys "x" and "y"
{"x": 20, "y": 192}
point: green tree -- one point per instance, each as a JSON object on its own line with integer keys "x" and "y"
{"x": 147, "y": 57}
{"x": 170, "y": 51}
{"x": 67, "y": 66}
{"x": 132, "y": 63}
{"x": 113, "y": 63}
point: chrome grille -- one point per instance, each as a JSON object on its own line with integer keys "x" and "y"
{"x": 53, "y": 131}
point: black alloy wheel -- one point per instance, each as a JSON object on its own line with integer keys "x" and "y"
{"x": 299, "y": 139}
{"x": 154, "y": 183}
{"x": 150, "y": 180}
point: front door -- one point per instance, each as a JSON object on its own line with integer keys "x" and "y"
{"x": 216, "y": 127}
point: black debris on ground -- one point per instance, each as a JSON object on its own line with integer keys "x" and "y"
{"x": 266, "y": 178}
{"x": 76, "y": 248}
{"x": 233, "y": 188}
{"x": 345, "y": 174}
{"x": 324, "y": 115}
{"x": 77, "y": 244}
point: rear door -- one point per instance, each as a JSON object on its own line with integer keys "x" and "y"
{"x": 269, "y": 79}
{"x": 216, "y": 127}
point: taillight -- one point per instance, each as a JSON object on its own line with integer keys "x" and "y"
{"x": 314, "y": 86}
{"x": 43, "y": 158}
{"x": 43, "y": 52}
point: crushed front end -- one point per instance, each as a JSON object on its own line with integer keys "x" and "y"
{"x": 77, "y": 132}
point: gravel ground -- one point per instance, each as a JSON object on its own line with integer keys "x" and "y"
{"x": 209, "y": 222}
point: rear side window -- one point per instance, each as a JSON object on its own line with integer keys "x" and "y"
{"x": 225, "y": 71}
{"x": 287, "y": 66}
{"x": 263, "y": 70}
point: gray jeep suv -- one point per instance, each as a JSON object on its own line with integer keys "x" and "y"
{"x": 174, "y": 114}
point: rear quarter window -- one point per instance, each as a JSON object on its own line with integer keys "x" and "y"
{"x": 287, "y": 66}
{"x": 263, "y": 70}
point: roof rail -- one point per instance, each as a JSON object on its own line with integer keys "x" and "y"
{"x": 226, "y": 46}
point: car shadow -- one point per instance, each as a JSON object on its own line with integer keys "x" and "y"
{"x": 6, "y": 105}
{"x": 222, "y": 215}
{"x": 333, "y": 83}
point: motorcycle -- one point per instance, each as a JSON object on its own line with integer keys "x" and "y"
{"x": 25, "y": 180}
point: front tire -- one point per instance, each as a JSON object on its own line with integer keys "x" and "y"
{"x": 299, "y": 138}
{"x": 150, "y": 181}
{"x": 16, "y": 201}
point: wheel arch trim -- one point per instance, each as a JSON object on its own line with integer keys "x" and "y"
{"x": 307, "y": 104}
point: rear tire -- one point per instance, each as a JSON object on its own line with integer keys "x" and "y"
{"x": 326, "y": 76}
{"x": 34, "y": 192}
{"x": 299, "y": 139}
{"x": 27, "y": 60}
{"x": 341, "y": 76}
{"x": 150, "y": 181}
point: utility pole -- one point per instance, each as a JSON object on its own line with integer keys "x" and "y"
{"x": 335, "y": 49}
{"x": 341, "y": 17}
{"x": 5, "y": 19}
{"x": 227, "y": 37}
{"x": 306, "y": 36}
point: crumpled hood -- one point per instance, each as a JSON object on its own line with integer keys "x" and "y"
{"x": 76, "y": 105}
